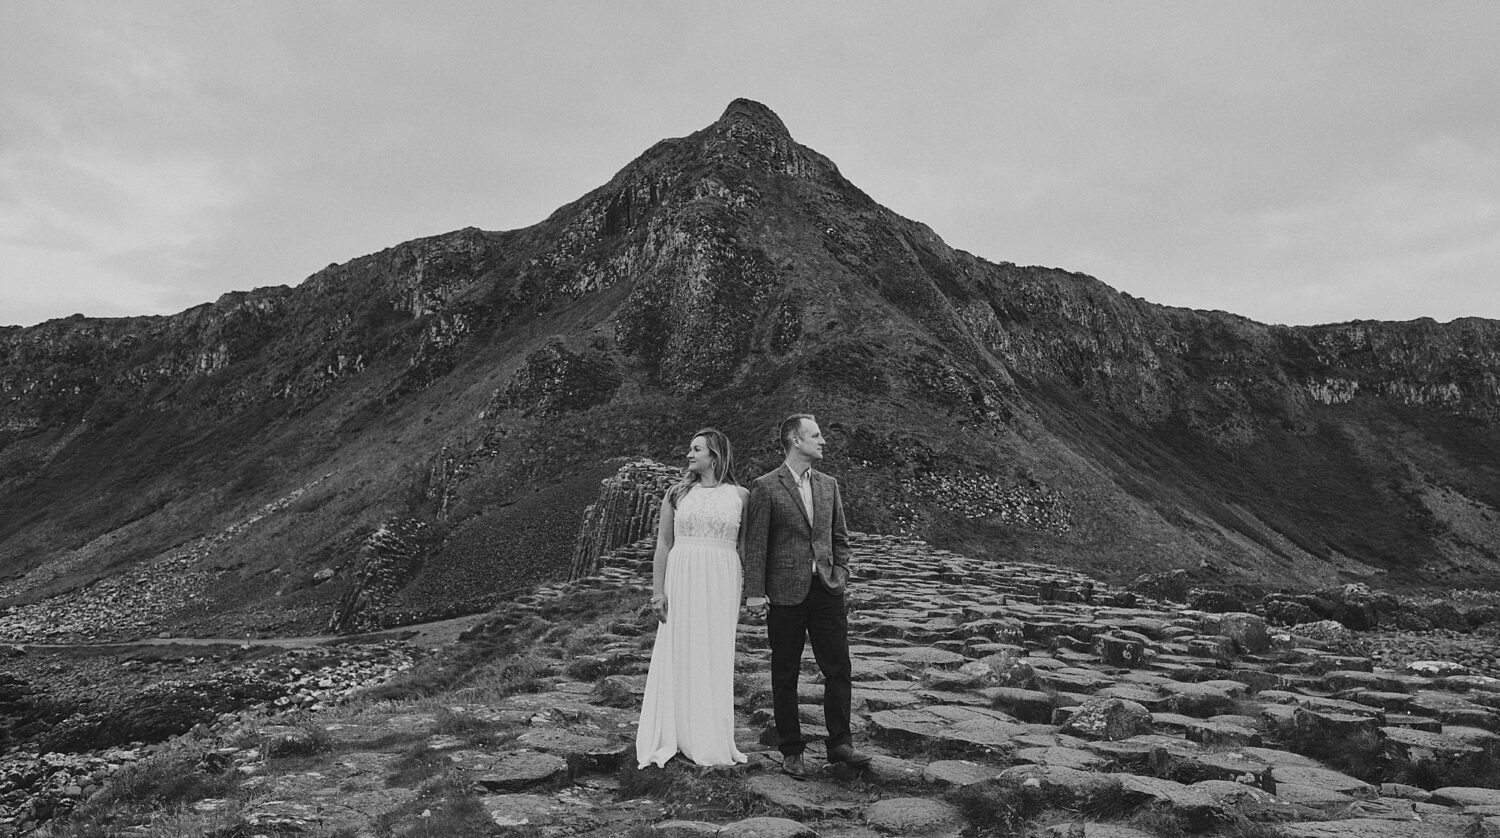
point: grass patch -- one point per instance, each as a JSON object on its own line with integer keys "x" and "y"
{"x": 300, "y": 735}
{"x": 1362, "y": 755}
{"x": 474, "y": 731}
{"x": 458, "y": 722}
{"x": 391, "y": 741}
{"x": 1480, "y": 771}
{"x": 998, "y": 809}
{"x": 447, "y": 807}
{"x": 417, "y": 765}
{"x": 507, "y": 657}
{"x": 688, "y": 792}
{"x": 587, "y": 667}
{"x": 752, "y": 692}
{"x": 615, "y": 693}
{"x": 156, "y": 791}
{"x": 1108, "y": 802}
{"x": 169, "y": 822}
{"x": 169, "y": 779}
{"x": 1161, "y": 823}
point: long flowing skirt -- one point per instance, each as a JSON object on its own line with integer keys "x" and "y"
{"x": 689, "y": 703}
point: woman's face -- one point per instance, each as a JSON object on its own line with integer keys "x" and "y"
{"x": 699, "y": 460}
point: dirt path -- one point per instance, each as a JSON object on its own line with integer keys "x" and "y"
{"x": 437, "y": 633}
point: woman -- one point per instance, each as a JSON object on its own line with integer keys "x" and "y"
{"x": 695, "y": 584}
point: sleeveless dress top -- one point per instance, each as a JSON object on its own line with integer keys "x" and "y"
{"x": 689, "y": 701}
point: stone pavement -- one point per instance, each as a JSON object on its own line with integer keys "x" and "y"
{"x": 1020, "y": 681}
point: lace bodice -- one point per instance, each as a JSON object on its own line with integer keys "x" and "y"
{"x": 708, "y": 513}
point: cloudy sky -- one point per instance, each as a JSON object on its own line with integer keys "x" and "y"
{"x": 1293, "y": 162}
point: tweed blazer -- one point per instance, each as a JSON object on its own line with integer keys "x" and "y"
{"x": 781, "y": 543}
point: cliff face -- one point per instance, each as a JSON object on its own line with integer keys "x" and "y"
{"x": 478, "y": 382}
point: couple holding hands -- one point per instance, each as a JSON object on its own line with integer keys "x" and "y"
{"x": 784, "y": 543}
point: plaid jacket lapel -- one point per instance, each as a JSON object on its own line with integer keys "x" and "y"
{"x": 791, "y": 488}
{"x": 822, "y": 503}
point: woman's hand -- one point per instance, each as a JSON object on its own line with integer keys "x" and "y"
{"x": 659, "y": 605}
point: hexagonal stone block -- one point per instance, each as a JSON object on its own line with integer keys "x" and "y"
{"x": 1466, "y": 796}
{"x": 1369, "y": 828}
{"x": 1436, "y": 669}
{"x": 1323, "y": 778}
{"x": 1186, "y": 800}
{"x": 916, "y": 816}
{"x": 512, "y": 771}
{"x": 766, "y": 828}
{"x": 807, "y": 799}
{"x": 1066, "y": 757}
{"x": 927, "y": 656}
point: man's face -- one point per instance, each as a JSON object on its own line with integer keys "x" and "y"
{"x": 809, "y": 440}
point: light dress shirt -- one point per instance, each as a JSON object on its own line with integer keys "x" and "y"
{"x": 804, "y": 488}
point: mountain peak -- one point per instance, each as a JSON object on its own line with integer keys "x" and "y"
{"x": 751, "y": 135}
{"x": 758, "y": 115}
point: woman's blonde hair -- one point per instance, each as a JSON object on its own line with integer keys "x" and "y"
{"x": 723, "y": 459}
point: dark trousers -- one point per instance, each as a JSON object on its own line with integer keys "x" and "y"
{"x": 823, "y": 619}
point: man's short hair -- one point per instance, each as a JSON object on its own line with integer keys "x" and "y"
{"x": 790, "y": 426}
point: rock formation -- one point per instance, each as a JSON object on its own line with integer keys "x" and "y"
{"x": 626, "y": 511}
{"x": 390, "y": 558}
{"x": 478, "y": 380}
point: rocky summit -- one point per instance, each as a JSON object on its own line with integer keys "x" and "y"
{"x": 418, "y": 433}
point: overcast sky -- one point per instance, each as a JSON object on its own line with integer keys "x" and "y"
{"x": 1293, "y": 162}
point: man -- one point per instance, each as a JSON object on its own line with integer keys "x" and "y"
{"x": 797, "y": 557}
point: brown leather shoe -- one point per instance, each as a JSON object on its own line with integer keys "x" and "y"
{"x": 848, "y": 756}
{"x": 794, "y": 765}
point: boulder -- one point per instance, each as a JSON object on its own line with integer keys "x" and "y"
{"x": 1011, "y": 671}
{"x": 1062, "y": 786}
{"x": 1248, "y": 631}
{"x": 1285, "y": 612}
{"x": 1167, "y": 585}
{"x": 1117, "y": 650}
{"x": 1326, "y": 631}
{"x": 1480, "y": 615}
{"x": 1355, "y": 605}
{"x": 1218, "y": 602}
{"x": 1109, "y": 718}
{"x": 1436, "y": 669}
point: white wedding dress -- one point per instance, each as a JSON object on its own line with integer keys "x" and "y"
{"x": 689, "y": 703}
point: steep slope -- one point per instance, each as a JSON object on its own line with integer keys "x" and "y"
{"x": 471, "y": 389}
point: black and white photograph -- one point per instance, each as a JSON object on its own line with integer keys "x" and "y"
{"x": 666, "y": 419}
